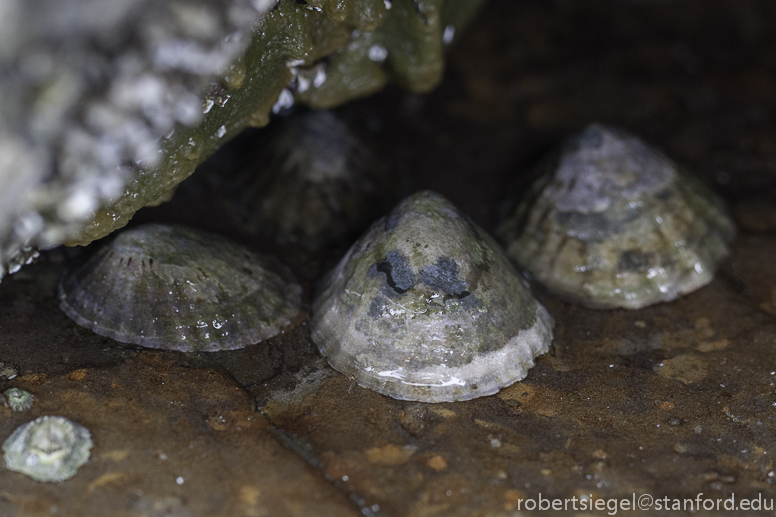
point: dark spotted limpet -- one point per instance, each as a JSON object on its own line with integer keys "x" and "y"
{"x": 615, "y": 223}
{"x": 426, "y": 307}
{"x": 170, "y": 287}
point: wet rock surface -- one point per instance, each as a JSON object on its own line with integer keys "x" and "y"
{"x": 173, "y": 433}
{"x": 670, "y": 400}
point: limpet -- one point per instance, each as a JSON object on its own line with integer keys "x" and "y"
{"x": 8, "y": 372}
{"x": 50, "y": 448}
{"x": 615, "y": 223}
{"x": 171, "y": 287}
{"x": 19, "y": 399}
{"x": 315, "y": 182}
{"x": 426, "y": 307}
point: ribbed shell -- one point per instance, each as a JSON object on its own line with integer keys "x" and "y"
{"x": 614, "y": 223}
{"x": 425, "y": 306}
{"x": 19, "y": 399}
{"x": 170, "y": 287}
{"x": 315, "y": 183}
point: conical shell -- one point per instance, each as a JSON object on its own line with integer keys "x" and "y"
{"x": 315, "y": 182}
{"x": 425, "y": 306}
{"x": 175, "y": 288}
{"x": 615, "y": 223}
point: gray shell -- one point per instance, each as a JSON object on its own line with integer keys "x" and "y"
{"x": 8, "y": 372}
{"x": 615, "y": 223}
{"x": 175, "y": 288}
{"x": 50, "y": 448}
{"x": 315, "y": 183}
{"x": 426, "y": 307}
{"x": 19, "y": 399}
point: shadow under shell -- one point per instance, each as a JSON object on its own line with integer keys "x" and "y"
{"x": 170, "y": 287}
{"x": 315, "y": 182}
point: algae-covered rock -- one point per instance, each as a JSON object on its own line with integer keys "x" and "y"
{"x": 106, "y": 113}
{"x": 89, "y": 90}
{"x": 425, "y": 306}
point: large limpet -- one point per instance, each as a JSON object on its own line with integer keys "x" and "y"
{"x": 426, "y": 307}
{"x": 166, "y": 286}
{"x": 615, "y": 223}
{"x": 50, "y": 448}
{"x": 316, "y": 182}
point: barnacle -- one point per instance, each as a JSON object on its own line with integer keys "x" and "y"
{"x": 50, "y": 448}
{"x": 19, "y": 399}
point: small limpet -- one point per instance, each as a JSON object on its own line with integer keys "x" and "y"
{"x": 616, "y": 223}
{"x": 170, "y": 287}
{"x": 426, "y": 307}
{"x": 50, "y": 448}
{"x": 8, "y": 372}
{"x": 315, "y": 182}
{"x": 19, "y": 399}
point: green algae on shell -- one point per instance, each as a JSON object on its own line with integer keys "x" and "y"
{"x": 49, "y": 449}
{"x": 19, "y": 399}
{"x": 426, "y": 307}
{"x": 615, "y": 223}
{"x": 315, "y": 182}
{"x": 170, "y": 287}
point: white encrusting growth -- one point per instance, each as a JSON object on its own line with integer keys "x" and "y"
{"x": 285, "y": 101}
{"x": 97, "y": 88}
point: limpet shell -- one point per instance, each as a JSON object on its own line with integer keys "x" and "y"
{"x": 50, "y": 448}
{"x": 426, "y": 307}
{"x": 171, "y": 287}
{"x": 8, "y": 372}
{"x": 615, "y": 223}
{"x": 19, "y": 399}
{"x": 315, "y": 182}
